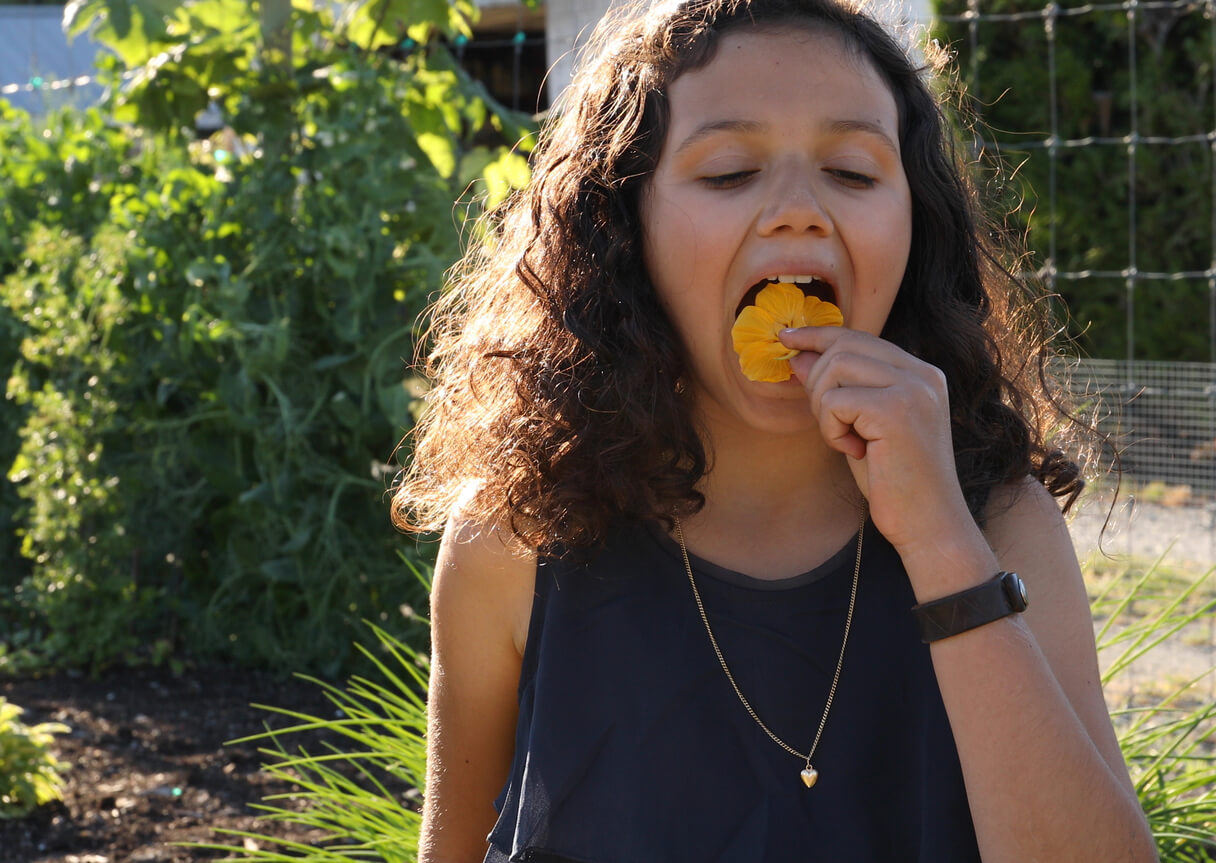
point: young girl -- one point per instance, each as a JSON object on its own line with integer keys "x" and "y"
{"x": 685, "y": 610}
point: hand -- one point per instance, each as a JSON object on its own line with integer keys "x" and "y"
{"x": 889, "y": 413}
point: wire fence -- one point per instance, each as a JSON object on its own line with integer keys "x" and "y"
{"x": 1119, "y": 167}
{"x": 1133, "y": 270}
{"x": 1161, "y": 418}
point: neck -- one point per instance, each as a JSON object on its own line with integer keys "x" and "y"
{"x": 776, "y": 505}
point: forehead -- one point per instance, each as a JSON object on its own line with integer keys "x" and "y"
{"x": 802, "y": 63}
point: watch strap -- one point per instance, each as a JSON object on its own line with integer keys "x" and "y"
{"x": 1002, "y": 595}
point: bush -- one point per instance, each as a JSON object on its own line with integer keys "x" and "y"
{"x": 211, "y": 376}
{"x": 30, "y": 775}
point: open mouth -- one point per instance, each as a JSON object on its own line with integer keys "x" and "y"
{"x": 810, "y": 286}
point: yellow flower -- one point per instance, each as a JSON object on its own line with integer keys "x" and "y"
{"x": 762, "y": 357}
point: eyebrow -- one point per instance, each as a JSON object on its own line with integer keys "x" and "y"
{"x": 865, "y": 127}
{"x": 750, "y": 127}
{"x": 707, "y": 130}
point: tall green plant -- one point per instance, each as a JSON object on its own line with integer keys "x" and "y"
{"x": 1169, "y": 742}
{"x": 212, "y": 355}
{"x": 53, "y": 174}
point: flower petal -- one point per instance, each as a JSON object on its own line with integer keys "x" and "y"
{"x": 754, "y": 324}
{"x": 758, "y": 364}
{"x": 820, "y": 313}
{"x": 782, "y": 300}
{"x": 762, "y": 357}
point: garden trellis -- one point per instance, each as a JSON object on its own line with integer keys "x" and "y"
{"x": 1162, "y": 415}
{"x": 1054, "y": 143}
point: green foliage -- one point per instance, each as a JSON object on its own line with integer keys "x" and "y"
{"x": 206, "y": 341}
{"x": 30, "y": 775}
{"x": 363, "y": 795}
{"x": 352, "y": 792}
{"x": 1168, "y": 739}
{"x": 1006, "y": 69}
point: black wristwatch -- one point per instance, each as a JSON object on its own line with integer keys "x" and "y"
{"x": 1004, "y": 594}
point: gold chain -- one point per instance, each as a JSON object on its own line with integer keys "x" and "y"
{"x": 809, "y": 774}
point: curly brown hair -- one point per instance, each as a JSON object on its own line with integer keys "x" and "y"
{"x": 556, "y": 406}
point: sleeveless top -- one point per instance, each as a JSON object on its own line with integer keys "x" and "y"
{"x": 632, "y": 747}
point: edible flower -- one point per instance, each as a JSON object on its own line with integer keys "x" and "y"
{"x": 778, "y": 306}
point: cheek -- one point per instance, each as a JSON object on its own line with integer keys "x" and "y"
{"x": 672, "y": 229}
{"x": 670, "y": 243}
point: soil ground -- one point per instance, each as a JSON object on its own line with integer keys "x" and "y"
{"x": 149, "y": 767}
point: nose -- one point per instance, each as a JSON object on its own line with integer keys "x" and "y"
{"x": 794, "y": 206}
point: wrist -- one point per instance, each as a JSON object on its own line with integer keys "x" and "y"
{"x": 992, "y": 600}
{"x": 947, "y": 564}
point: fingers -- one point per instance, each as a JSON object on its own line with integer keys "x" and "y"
{"x": 836, "y": 424}
{"x": 863, "y": 388}
{"x": 889, "y": 414}
{"x": 821, "y": 340}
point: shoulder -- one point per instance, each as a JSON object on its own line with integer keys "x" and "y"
{"x": 484, "y": 582}
{"x": 1022, "y": 513}
{"x": 1028, "y": 533}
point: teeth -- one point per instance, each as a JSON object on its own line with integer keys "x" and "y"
{"x": 797, "y": 280}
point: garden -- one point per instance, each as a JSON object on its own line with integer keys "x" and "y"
{"x": 206, "y": 336}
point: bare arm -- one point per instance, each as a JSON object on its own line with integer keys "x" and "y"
{"x": 1045, "y": 777}
{"x": 481, "y": 602}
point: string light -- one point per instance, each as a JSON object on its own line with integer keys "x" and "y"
{"x": 37, "y": 83}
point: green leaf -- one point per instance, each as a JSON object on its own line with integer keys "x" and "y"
{"x": 377, "y": 23}
{"x": 78, "y": 15}
{"x": 281, "y": 570}
{"x": 440, "y": 150}
{"x": 508, "y": 172}
{"x": 135, "y": 30}
{"x": 332, "y": 361}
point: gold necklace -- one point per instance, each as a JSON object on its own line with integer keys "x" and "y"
{"x": 809, "y": 774}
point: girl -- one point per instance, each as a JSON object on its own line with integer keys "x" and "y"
{"x": 673, "y": 611}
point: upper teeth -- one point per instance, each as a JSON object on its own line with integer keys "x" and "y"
{"x": 798, "y": 280}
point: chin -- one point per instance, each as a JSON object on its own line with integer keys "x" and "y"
{"x": 784, "y": 409}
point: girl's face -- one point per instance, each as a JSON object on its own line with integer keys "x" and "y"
{"x": 781, "y": 159}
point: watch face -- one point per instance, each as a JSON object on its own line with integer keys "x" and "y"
{"x": 1015, "y": 589}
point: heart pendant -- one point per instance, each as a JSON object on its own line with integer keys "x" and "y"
{"x": 809, "y": 776}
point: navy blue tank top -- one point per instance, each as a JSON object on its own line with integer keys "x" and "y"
{"x": 631, "y": 746}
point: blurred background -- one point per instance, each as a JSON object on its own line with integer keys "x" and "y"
{"x": 219, "y": 222}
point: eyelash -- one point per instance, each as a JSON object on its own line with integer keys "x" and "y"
{"x": 738, "y": 178}
{"x": 853, "y": 178}
{"x": 727, "y": 181}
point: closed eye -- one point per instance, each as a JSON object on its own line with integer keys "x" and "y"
{"x": 727, "y": 181}
{"x": 853, "y": 179}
